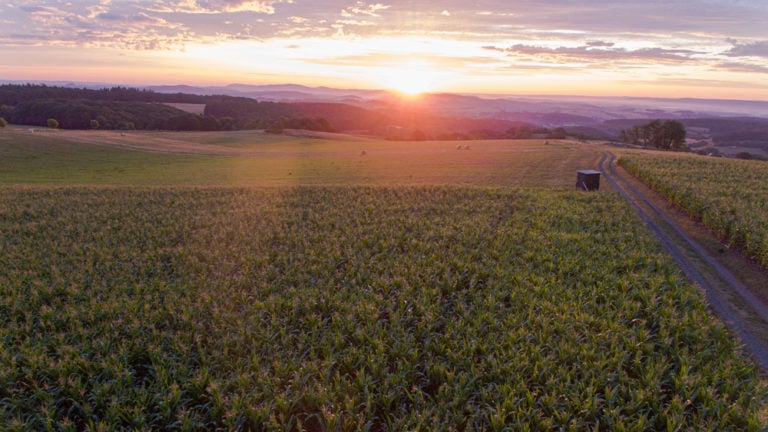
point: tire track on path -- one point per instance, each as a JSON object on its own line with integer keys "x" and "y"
{"x": 730, "y": 299}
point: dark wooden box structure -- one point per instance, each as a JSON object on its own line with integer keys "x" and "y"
{"x": 588, "y": 180}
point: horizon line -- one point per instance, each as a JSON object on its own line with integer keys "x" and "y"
{"x": 106, "y": 85}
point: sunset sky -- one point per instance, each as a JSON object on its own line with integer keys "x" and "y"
{"x": 664, "y": 48}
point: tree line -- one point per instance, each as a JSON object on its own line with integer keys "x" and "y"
{"x": 13, "y": 94}
{"x": 90, "y": 114}
{"x": 121, "y": 108}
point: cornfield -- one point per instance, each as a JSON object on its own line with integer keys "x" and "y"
{"x": 353, "y": 308}
{"x": 729, "y": 196}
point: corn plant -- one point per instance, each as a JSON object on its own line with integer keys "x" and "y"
{"x": 729, "y": 196}
{"x": 353, "y": 308}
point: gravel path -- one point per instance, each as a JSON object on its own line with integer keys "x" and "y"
{"x": 731, "y": 300}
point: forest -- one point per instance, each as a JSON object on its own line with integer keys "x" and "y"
{"x": 123, "y": 108}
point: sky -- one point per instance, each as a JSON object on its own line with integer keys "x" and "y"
{"x": 654, "y": 48}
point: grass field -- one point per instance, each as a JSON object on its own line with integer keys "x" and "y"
{"x": 433, "y": 297}
{"x": 730, "y": 196}
{"x": 248, "y": 158}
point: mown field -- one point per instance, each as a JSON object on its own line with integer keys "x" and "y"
{"x": 58, "y": 157}
{"x": 350, "y": 307}
{"x": 729, "y": 196}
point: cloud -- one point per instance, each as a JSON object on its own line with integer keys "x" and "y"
{"x": 47, "y": 15}
{"x": 595, "y": 44}
{"x": 354, "y": 22}
{"x": 32, "y": 9}
{"x": 560, "y": 30}
{"x": 250, "y": 6}
{"x": 363, "y": 8}
{"x": 599, "y": 40}
{"x": 438, "y": 62}
{"x": 495, "y": 14}
{"x": 596, "y": 51}
{"x": 359, "y": 16}
{"x": 694, "y": 82}
{"x": 97, "y": 26}
{"x": 109, "y": 16}
{"x": 216, "y": 6}
{"x": 753, "y": 49}
{"x": 486, "y": 21}
{"x": 742, "y": 67}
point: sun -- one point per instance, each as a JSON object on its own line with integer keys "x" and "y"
{"x": 411, "y": 78}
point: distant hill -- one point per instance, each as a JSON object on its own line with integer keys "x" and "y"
{"x": 401, "y": 121}
{"x": 728, "y": 125}
{"x": 276, "y": 92}
{"x": 129, "y": 108}
{"x": 587, "y": 108}
{"x": 725, "y": 126}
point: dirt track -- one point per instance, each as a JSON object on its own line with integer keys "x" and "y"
{"x": 737, "y": 304}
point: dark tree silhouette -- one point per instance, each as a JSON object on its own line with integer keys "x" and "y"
{"x": 667, "y": 135}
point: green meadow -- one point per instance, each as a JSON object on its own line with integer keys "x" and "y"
{"x": 235, "y": 281}
{"x": 59, "y": 157}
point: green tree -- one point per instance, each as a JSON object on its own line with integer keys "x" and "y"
{"x": 522, "y": 132}
{"x": 95, "y": 124}
{"x": 53, "y": 123}
{"x": 672, "y": 135}
{"x": 208, "y": 123}
{"x": 6, "y": 111}
{"x": 418, "y": 135}
{"x": 630, "y": 135}
{"x": 649, "y": 134}
{"x": 324, "y": 125}
{"x": 3, "y": 123}
{"x": 667, "y": 135}
{"x": 276, "y": 127}
{"x": 557, "y": 133}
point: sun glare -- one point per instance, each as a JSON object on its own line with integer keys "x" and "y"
{"x": 411, "y": 78}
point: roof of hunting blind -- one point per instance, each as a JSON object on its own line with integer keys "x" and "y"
{"x": 588, "y": 172}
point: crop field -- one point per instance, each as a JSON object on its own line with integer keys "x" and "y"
{"x": 403, "y": 304}
{"x": 729, "y": 196}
